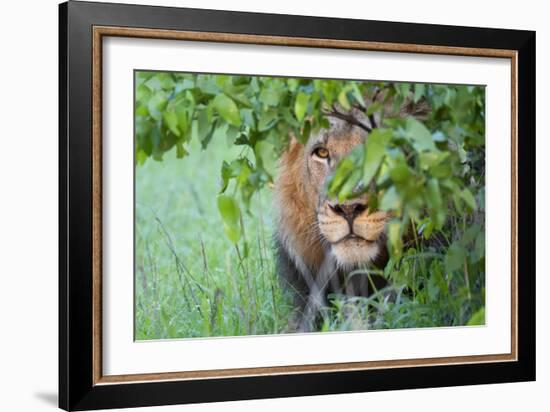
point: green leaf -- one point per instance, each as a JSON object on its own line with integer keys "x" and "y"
{"x": 457, "y": 201}
{"x": 468, "y": 198}
{"x": 470, "y": 235}
{"x": 161, "y": 81}
{"x": 265, "y": 151}
{"x": 400, "y": 173}
{"x": 373, "y": 108}
{"x": 403, "y": 89}
{"x": 480, "y": 245}
{"x": 357, "y": 94}
{"x": 231, "y": 135}
{"x": 204, "y": 127}
{"x": 391, "y": 200}
{"x": 375, "y": 150}
{"x": 207, "y": 84}
{"x": 142, "y": 93}
{"x": 269, "y": 97}
{"x": 222, "y": 80}
{"x": 454, "y": 259}
{"x": 300, "y": 106}
{"x": 343, "y": 99}
{"x": 435, "y": 203}
{"x": 441, "y": 170}
{"x": 306, "y": 131}
{"x": 141, "y": 157}
{"x": 418, "y": 91}
{"x": 477, "y": 318}
{"x": 248, "y": 116}
{"x": 267, "y": 120}
{"x": 227, "y": 109}
{"x": 227, "y": 173}
{"x": 180, "y": 151}
{"x": 419, "y": 135}
{"x": 343, "y": 171}
{"x": 433, "y": 194}
{"x": 231, "y": 217}
{"x": 373, "y": 201}
{"x": 171, "y": 120}
{"x": 142, "y": 111}
{"x": 348, "y": 188}
{"x": 428, "y": 160}
{"x": 293, "y": 84}
{"x": 437, "y": 275}
{"x": 395, "y": 243}
{"x": 183, "y": 122}
{"x": 156, "y": 105}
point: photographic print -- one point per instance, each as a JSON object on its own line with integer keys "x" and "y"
{"x": 274, "y": 205}
{"x": 256, "y": 206}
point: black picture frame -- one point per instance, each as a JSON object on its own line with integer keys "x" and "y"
{"x": 77, "y": 390}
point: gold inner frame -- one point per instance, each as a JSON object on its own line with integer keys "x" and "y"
{"x": 101, "y": 31}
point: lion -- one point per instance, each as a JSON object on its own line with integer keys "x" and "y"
{"x": 318, "y": 239}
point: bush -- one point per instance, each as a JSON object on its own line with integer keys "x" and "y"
{"x": 429, "y": 172}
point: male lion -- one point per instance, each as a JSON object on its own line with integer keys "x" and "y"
{"x": 319, "y": 240}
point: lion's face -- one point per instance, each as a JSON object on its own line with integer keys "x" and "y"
{"x": 350, "y": 231}
{"x": 316, "y": 234}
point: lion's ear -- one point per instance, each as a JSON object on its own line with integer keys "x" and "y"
{"x": 293, "y": 144}
{"x": 292, "y": 151}
{"x": 419, "y": 110}
{"x": 293, "y": 141}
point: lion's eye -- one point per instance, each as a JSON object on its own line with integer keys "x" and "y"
{"x": 321, "y": 153}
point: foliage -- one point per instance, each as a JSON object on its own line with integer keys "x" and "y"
{"x": 429, "y": 173}
{"x": 256, "y": 113}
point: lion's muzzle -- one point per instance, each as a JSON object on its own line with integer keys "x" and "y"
{"x": 352, "y": 231}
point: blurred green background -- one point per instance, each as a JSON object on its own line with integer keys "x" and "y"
{"x": 191, "y": 280}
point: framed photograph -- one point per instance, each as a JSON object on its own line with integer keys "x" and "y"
{"x": 257, "y": 205}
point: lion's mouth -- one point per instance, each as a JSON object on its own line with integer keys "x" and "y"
{"x": 352, "y": 237}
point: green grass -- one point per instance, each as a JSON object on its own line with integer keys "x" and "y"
{"x": 191, "y": 281}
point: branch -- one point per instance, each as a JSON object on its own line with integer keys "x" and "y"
{"x": 371, "y": 116}
{"x": 372, "y": 121}
{"x": 348, "y": 118}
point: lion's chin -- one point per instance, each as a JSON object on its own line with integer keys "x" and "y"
{"x": 354, "y": 252}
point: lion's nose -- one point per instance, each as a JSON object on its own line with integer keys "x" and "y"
{"x": 348, "y": 211}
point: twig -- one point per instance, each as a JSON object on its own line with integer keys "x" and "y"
{"x": 348, "y": 118}
{"x": 179, "y": 266}
{"x": 205, "y": 264}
